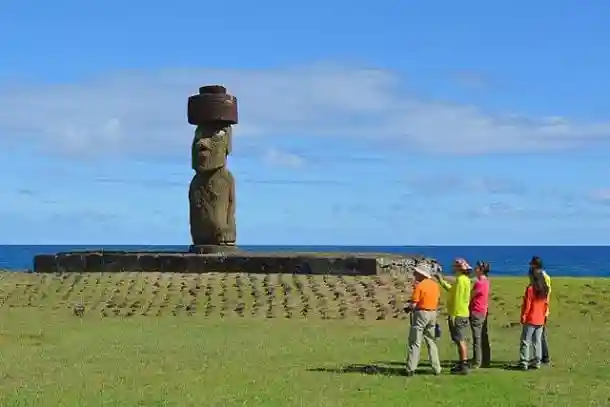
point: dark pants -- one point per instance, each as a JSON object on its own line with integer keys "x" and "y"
{"x": 545, "y": 346}
{"x": 481, "y": 350}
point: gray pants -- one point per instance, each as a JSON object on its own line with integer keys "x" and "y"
{"x": 531, "y": 337}
{"x": 481, "y": 351}
{"x": 422, "y": 328}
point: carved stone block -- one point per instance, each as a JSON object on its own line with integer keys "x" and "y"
{"x": 212, "y": 104}
{"x": 212, "y": 208}
{"x": 211, "y": 145}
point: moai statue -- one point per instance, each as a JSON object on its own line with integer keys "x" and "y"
{"x": 212, "y": 190}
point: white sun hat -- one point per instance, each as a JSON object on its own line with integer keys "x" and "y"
{"x": 423, "y": 270}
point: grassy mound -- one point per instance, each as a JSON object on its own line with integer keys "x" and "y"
{"x": 277, "y": 340}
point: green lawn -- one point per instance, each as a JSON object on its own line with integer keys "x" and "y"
{"x": 181, "y": 352}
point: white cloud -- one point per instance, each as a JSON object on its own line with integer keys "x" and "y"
{"x": 601, "y": 195}
{"x": 496, "y": 208}
{"x": 452, "y": 183}
{"x": 139, "y": 112}
{"x": 279, "y": 158}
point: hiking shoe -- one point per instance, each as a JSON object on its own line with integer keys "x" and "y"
{"x": 460, "y": 368}
{"x": 461, "y": 371}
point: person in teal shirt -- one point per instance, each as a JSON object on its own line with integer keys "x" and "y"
{"x": 458, "y": 310}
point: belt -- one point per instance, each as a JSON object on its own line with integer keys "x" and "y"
{"x": 425, "y": 309}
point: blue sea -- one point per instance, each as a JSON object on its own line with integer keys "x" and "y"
{"x": 577, "y": 261}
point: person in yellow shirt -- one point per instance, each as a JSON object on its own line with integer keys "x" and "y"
{"x": 423, "y": 308}
{"x": 458, "y": 310}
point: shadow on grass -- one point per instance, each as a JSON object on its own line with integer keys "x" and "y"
{"x": 495, "y": 364}
{"x": 369, "y": 369}
{"x": 392, "y": 368}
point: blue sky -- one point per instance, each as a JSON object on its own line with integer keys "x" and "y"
{"x": 404, "y": 123}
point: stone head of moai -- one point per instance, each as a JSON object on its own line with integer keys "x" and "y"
{"x": 213, "y": 111}
{"x": 212, "y": 189}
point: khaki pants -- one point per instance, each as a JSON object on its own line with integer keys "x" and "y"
{"x": 422, "y": 328}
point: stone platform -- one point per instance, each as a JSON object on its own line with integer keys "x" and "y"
{"x": 232, "y": 262}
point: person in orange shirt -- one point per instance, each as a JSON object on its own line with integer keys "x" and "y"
{"x": 533, "y": 316}
{"x": 423, "y": 307}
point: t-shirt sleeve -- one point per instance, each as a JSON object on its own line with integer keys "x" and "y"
{"x": 416, "y": 295}
{"x": 445, "y": 284}
{"x": 547, "y": 280}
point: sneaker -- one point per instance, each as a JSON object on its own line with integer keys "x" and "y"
{"x": 463, "y": 371}
{"x": 460, "y": 368}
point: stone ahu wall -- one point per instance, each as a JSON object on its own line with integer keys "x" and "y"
{"x": 237, "y": 262}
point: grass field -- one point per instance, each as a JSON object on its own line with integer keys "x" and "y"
{"x": 256, "y": 340}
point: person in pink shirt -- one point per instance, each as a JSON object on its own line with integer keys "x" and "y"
{"x": 479, "y": 307}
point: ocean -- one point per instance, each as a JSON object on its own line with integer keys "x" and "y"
{"x": 575, "y": 261}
